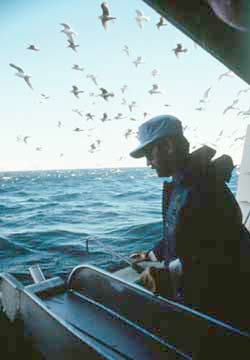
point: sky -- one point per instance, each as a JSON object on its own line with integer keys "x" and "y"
{"x": 182, "y": 81}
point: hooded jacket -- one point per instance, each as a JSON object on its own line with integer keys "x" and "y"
{"x": 201, "y": 218}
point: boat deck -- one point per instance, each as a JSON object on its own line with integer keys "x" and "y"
{"x": 108, "y": 328}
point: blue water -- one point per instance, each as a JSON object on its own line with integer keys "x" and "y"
{"x": 45, "y": 217}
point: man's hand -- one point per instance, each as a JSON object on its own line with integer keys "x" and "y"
{"x": 140, "y": 256}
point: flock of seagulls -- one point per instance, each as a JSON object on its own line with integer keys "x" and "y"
{"x": 106, "y": 18}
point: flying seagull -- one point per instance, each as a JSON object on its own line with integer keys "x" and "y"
{"x": 72, "y": 45}
{"x": 89, "y": 116}
{"x": 33, "y": 47}
{"x": 205, "y": 96}
{"x": 105, "y": 17}
{"x": 78, "y": 112}
{"x": 138, "y": 61}
{"x": 155, "y": 90}
{"x": 22, "y": 75}
{"x": 155, "y": 72}
{"x": 77, "y": 129}
{"x": 93, "y": 78}
{"x": 77, "y": 67}
{"x": 161, "y": 23}
{"x": 105, "y": 117}
{"x": 179, "y": 49}
{"x": 243, "y": 91}
{"x": 44, "y": 96}
{"x": 140, "y": 18}
{"x": 226, "y": 74}
{"x": 124, "y": 88}
{"x": 76, "y": 91}
{"x": 132, "y": 105}
{"x": 231, "y": 107}
{"x": 105, "y": 94}
{"x": 68, "y": 31}
{"x": 25, "y": 139}
{"x": 126, "y": 49}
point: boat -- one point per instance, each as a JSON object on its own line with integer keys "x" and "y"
{"x": 98, "y": 314}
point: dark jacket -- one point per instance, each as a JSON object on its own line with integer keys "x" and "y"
{"x": 202, "y": 225}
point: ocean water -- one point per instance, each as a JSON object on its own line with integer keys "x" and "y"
{"x": 46, "y": 216}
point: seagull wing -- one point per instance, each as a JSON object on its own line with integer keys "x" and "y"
{"x": 27, "y": 80}
{"x": 139, "y": 13}
{"x": 17, "y": 68}
{"x": 228, "y": 108}
{"x": 105, "y": 9}
{"x": 206, "y": 93}
{"x": 104, "y": 91}
{"x": 66, "y": 26}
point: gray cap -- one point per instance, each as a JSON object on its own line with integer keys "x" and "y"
{"x": 155, "y": 129}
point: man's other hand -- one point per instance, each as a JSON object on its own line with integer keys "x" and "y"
{"x": 150, "y": 279}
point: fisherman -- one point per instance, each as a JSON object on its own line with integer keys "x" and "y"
{"x": 201, "y": 220}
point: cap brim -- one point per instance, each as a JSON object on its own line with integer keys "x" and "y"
{"x": 140, "y": 151}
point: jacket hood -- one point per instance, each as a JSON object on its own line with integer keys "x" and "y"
{"x": 201, "y": 164}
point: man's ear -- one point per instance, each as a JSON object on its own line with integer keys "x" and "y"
{"x": 170, "y": 146}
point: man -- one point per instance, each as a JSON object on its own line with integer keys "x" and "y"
{"x": 201, "y": 220}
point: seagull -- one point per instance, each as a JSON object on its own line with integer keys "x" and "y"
{"x": 61, "y": 154}
{"x": 161, "y": 23}
{"x": 124, "y": 88}
{"x": 72, "y": 45}
{"x": 105, "y": 94}
{"x": 119, "y": 116}
{"x": 240, "y": 138}
{"x": 145, "y": 114}
{"x": 200, "y": 108}
{"x": 105, "y": 17}
{"x": 132, "y": 105}
{"x": 155, "y": 72}
{"x": 231, "y": 107}
{"x": 244, "y": 113}
{"x": 59, "y": 124}
{"x": 140, "y": 18}
{"x": 179, "y": 49}
{"x": 77, "y": 67}
{"x": 68, "y": 31}
{"x": 93, "y": 78}
{"x": 22, "y": 75}
{"x": 77, "y": 111}
{"x": 89, "y": 116}
{"x": 138, "y": 61}
{"x": 33, "y": 47}
{"x": 126, "y": 49}
{"x": 25, "y": 139}
{"x": 128, "y": 133}
{"x": 243, "y": 91}
{"x": 226, "y": 74}
{"x": 105, "y": 117}
{"x": 76, "y": 91}
{"x": 155, "y": 90}
{"x": 77, "y": 129}
{"x": 205, "y": 96}
{"x": 124, "y": 101}
{"x": 46, "y": 97}
{"x": 39, "y": 148}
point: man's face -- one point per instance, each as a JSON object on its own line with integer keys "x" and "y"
{"x": 162, "y": 157}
